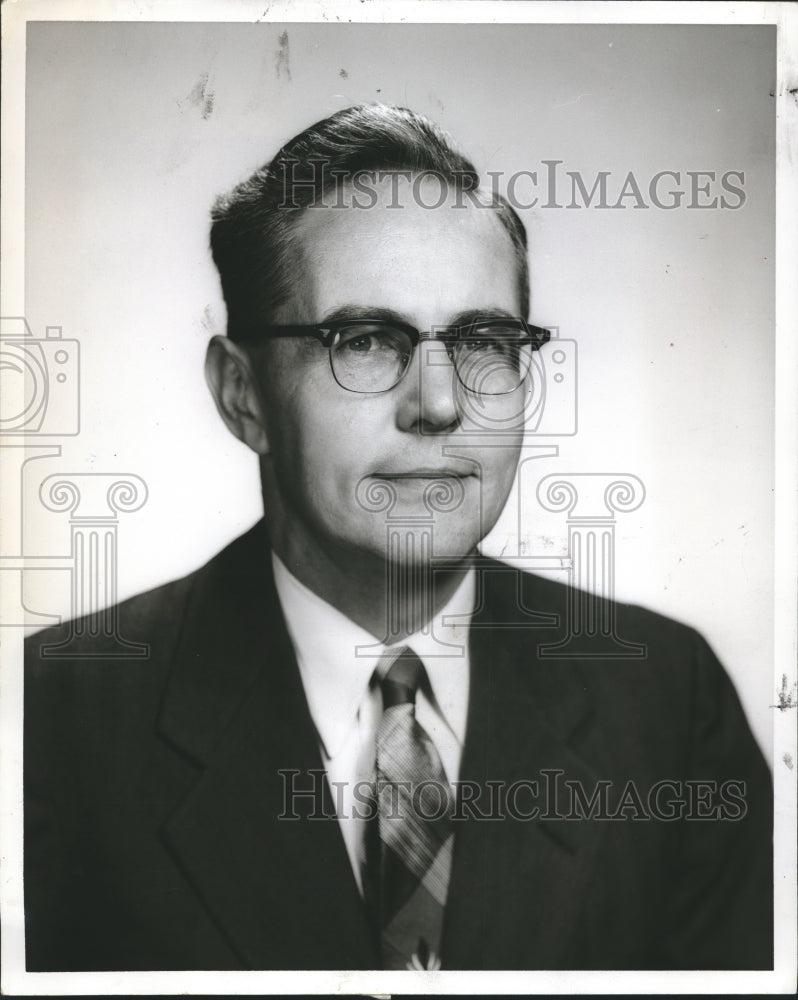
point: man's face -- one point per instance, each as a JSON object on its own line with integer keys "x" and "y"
{"x": 345, "y": 466}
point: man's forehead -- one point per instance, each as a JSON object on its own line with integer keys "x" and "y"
{"x": 391, "y": 252}
{"x": 399, "y": 203}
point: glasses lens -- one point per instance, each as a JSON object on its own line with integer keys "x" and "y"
{"x": 493, "y": 359}
{"x": 370, "y": 357}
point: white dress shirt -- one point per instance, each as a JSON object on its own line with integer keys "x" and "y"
{"x": 337, "y": 660}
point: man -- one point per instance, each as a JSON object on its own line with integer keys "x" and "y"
{"x": 345, "y": 749}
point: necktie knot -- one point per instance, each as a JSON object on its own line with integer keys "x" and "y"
{"x": 401, "y": 682}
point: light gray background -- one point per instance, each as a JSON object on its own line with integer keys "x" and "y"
{"x": 133, "y": 129}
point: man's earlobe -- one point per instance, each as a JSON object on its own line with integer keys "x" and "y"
{"x": 228, "y": 372}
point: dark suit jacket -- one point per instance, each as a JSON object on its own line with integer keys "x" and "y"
{"x": 152, "y": 794}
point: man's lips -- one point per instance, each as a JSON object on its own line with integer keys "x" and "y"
{"x": 447, "y": 473}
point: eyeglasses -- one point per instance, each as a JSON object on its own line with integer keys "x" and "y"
{"x": 491, "y": 356}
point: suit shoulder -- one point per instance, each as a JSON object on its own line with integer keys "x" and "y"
{"x": 532, "y": 593}
{"x": 611, "y": 645}
{"x": 111, "y": 667}
{"x": 153, "y": 616}
{"x": 116, "y": 631}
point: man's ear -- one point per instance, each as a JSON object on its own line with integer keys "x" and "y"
{"x": 229, "y": 374}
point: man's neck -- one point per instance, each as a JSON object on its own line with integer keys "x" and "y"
{"x": 389, "y": 600}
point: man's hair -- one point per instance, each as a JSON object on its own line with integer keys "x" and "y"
{"x": 252, "y": 226}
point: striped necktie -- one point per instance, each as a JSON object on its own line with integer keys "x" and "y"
{"x": 409, "y": 845}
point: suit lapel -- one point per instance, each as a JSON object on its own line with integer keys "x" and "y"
{"x": 281, "y": 890}
{"x": 516, "y": 883}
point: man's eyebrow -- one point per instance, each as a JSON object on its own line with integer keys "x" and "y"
{"x": 469, "y": 316}
{"x": 358, "y": 311}
{"x": 463, "y": 318}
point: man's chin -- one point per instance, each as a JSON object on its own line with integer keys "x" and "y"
{"x": 421, "y": 545}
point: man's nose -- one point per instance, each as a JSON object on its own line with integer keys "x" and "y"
{"x": 430, "y": 390}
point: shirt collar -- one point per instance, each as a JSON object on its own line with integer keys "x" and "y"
{"x": 337, "y": 658}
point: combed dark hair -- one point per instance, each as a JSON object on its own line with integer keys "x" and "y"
{"x": 251, "y": 231}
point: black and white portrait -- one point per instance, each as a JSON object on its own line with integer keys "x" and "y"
{"x": 393, "y": 499}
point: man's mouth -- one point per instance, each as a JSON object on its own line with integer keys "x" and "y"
{"x": 447, "y": 473}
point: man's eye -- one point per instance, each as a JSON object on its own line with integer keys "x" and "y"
{"x": 359, "y": 340}
{"x": 361, "y": 344}
{"x": 474, "y": 345}
{"x": 491, "y": 345}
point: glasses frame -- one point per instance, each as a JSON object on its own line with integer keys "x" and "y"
{"x": 325, "y": 333}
